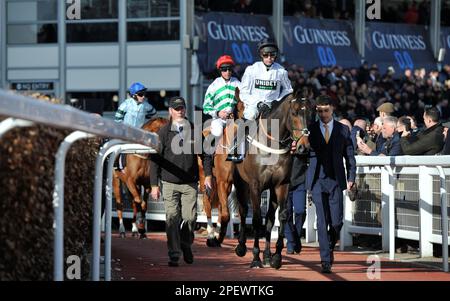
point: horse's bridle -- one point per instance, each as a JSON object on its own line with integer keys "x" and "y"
{"x": 304, "y": 131}
{"x": 291, "y": 137}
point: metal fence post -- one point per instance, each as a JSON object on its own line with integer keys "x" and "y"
{"x": 391, "y": 194}
{"x": 444, "y": 219}
{"x": 346, "y": 236}
{"x": 98, "y": 184}
{"x": 385, "y": 198}
{"x": 58, "y": 202}
{"x": 108, "y": 210}
{"x": 115, "y": 151}
{"x": 425, "y": 211}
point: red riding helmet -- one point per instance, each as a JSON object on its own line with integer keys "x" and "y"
{"x": 224, "y": 60}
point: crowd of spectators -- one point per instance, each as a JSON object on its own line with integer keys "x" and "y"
{"x": 357, "y": 92}
{"x": 403, "y": 104}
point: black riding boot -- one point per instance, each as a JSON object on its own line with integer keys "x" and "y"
{"x": 236, "y": 156}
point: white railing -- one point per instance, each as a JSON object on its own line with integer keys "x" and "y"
{"x": 390, "y": 170}
{"x": 24, "y": 111}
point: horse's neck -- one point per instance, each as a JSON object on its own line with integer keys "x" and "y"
{"x": 282, "y": 119}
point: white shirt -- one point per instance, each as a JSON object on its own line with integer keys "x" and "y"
{"x": 259, "y": 84}
{"x": 330, "y": 128}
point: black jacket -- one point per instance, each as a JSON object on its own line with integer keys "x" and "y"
{"x": 428, "y": 142}
{"x": 446, "y": 149}
{"x": 298, "y": 173}
{"x": 170, "y": 164}
{"x": 341, "y": 147}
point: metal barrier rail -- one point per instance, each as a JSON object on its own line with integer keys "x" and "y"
{"x": 25, "y": 111}
{"x": 388, "y": 168}
{"x": 67, "y": 117}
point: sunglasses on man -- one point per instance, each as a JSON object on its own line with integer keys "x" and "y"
{"x": 267, "y": 54}
{"x": 140, "y": 94}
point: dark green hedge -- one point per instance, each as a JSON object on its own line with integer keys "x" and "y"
{"x": 27, "y": 159}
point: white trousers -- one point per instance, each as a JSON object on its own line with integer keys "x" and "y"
{"x": 217, "y": 126}
{"x": 250, "y": 112}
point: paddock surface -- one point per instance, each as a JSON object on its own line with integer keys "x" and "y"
{"x": 146, "y": 260}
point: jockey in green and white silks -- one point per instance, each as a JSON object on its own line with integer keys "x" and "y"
{"x": 220, "y": 97}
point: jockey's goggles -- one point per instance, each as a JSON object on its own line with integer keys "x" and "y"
{"x": 225, "y": 69}
{"x": 140, "y": 94}
{"x": 267, "y": 54}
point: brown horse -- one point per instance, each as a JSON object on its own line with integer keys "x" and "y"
{"x": 221, "y": 185}
{"x": 254, "y": 174}
{"x": 135, "y": 175}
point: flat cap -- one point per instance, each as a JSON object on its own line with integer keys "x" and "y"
{"x": 386, "y": 107}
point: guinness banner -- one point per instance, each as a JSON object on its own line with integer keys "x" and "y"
{"x": 398, "y": 45}
{"x": 227, "y": 33}
{"x": 314, "y": 43}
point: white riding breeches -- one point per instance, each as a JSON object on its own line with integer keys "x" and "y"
{"x": 217, "y": 126}
{"x": 250, "y": 112}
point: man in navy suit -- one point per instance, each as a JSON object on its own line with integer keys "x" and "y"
{"x": 330, "y": 143}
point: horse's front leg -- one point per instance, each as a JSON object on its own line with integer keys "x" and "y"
{"x": 270, "y": 221}
{"x": 256, "y": 221}
{"x": 133, "y": 189}
{"x": 241, "y": 195}
{"x": 211, "y": 241}
{"x": 281, "y": 195}
{"x": 119, "y": 203}
{"x": 141, "y": 222}
{"x": 224, "y": 190}
{"x": 134, "y": 229}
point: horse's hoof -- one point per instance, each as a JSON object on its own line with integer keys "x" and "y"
{"x": 213, "y": 243}
{"x": 143, "y": 236}
{"x": 276, "y": 261}
{"x": 122, "y": 234}
{"x": 256, "y": 264}
{"x": 134, "y": 234}
{"x": 240, "y": 250}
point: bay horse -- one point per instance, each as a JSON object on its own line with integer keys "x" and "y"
{"x": 135, "y": 175}
{"x": 253, "y": 175}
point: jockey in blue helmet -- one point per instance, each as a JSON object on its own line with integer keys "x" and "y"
{"x": 135, "y": 111}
